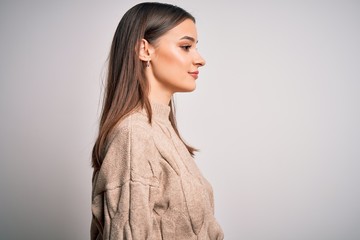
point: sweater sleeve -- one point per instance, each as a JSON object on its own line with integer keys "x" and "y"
{"x": 123, "y": 188}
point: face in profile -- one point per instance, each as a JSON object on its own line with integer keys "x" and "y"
{"x": 175, "y": 60}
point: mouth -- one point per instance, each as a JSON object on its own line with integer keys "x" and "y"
{"x": 194, "y": 74}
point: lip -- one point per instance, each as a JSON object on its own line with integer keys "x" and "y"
{"x": 194, "y": 74}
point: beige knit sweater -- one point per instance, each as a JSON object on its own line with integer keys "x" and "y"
{"x": 149, "y": 186}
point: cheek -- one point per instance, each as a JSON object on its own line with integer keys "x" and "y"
{"x": 171, "y": 70}
{"x": 174, "y": 59}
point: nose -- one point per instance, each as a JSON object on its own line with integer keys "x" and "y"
{"x": 199, "y": 60}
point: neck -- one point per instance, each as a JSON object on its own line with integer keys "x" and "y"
{"x": 158, "y": 92}
{"x": 159, "y": 99}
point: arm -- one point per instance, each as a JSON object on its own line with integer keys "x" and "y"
{"x": 121, "y": 206}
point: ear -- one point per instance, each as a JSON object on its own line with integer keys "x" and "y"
{"x": 146, "y": 50}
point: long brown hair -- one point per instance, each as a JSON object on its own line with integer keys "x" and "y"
{"x": 126, "y": 86}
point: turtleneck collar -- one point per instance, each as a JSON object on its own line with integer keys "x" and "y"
{"x": 160, "y": 111}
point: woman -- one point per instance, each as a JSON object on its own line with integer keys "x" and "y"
{"x": 146, "y": 184}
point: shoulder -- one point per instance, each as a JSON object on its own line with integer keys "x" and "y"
{"x": 130, "y": 147}
{"x": 134, "y": 126}
{"x": 135, "y": 134}
{"x": 140, "y": 146}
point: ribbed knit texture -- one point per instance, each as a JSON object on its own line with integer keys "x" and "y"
{"x": 149, "y": 187}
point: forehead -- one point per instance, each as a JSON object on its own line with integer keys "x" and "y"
{"x": 185, "y": 28}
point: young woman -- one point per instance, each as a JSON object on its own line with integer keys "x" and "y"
{"x": 146, "y": 184}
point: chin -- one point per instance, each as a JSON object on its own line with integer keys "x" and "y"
{"x": 189, "y": 88}
{"x": 193, "y": 89}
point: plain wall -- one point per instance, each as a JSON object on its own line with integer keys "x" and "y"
{"x": 276, "y": 115}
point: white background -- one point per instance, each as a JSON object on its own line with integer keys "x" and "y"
{"x": 276, "y": 115}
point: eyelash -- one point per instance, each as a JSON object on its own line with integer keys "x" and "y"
{"x": 186, "y": 47}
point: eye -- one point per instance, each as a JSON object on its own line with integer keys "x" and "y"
{"x": 186, "y": 47}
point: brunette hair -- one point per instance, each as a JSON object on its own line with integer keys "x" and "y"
{"x": 126, "y": 86}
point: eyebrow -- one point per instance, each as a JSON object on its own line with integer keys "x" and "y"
{"x": 189, "y": 38}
